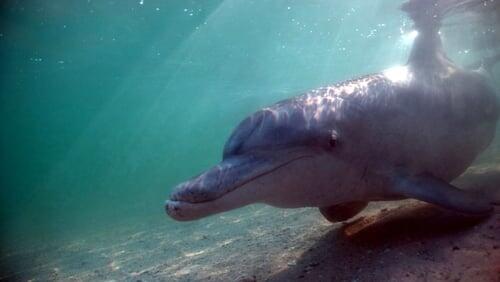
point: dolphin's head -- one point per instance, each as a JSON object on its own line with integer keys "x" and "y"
{"x": 271, "y": 157}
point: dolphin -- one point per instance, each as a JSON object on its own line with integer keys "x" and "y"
{"x": 405, "y": 132}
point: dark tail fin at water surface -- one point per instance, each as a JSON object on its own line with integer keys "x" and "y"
{"x": 431, "y": 12}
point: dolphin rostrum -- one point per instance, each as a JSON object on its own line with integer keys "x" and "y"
{"x": 403, "y": 133}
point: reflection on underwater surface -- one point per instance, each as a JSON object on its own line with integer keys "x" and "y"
{"x": 104, "y": 105}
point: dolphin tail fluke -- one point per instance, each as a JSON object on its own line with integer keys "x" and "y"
{"x": 428, "y": 14}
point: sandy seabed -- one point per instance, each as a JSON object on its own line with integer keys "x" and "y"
{"x": 395, "y": 241}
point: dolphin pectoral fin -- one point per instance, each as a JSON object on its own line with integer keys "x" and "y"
{"x": 435, "y": 191}
{"x": 342, "y": 211}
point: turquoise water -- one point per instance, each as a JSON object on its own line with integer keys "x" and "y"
{"x": 105, "y": 105}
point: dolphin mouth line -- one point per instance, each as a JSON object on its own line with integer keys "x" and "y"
{"x": 178, "y": 198}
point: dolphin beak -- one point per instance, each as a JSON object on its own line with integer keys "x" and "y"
{"x": 198, "y": 196}
{"x": 221, "y": 179}
{"x": 220, "y": 188}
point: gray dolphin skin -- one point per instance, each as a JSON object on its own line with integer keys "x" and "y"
{"x": 403, "y": 133}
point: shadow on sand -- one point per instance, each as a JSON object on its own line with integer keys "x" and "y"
{"x": 403, "y": 243}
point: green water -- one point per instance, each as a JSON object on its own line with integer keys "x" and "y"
{"x": 105, "y": 105}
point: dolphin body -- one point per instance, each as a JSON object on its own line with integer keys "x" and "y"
{"x": 403, "y": 133}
